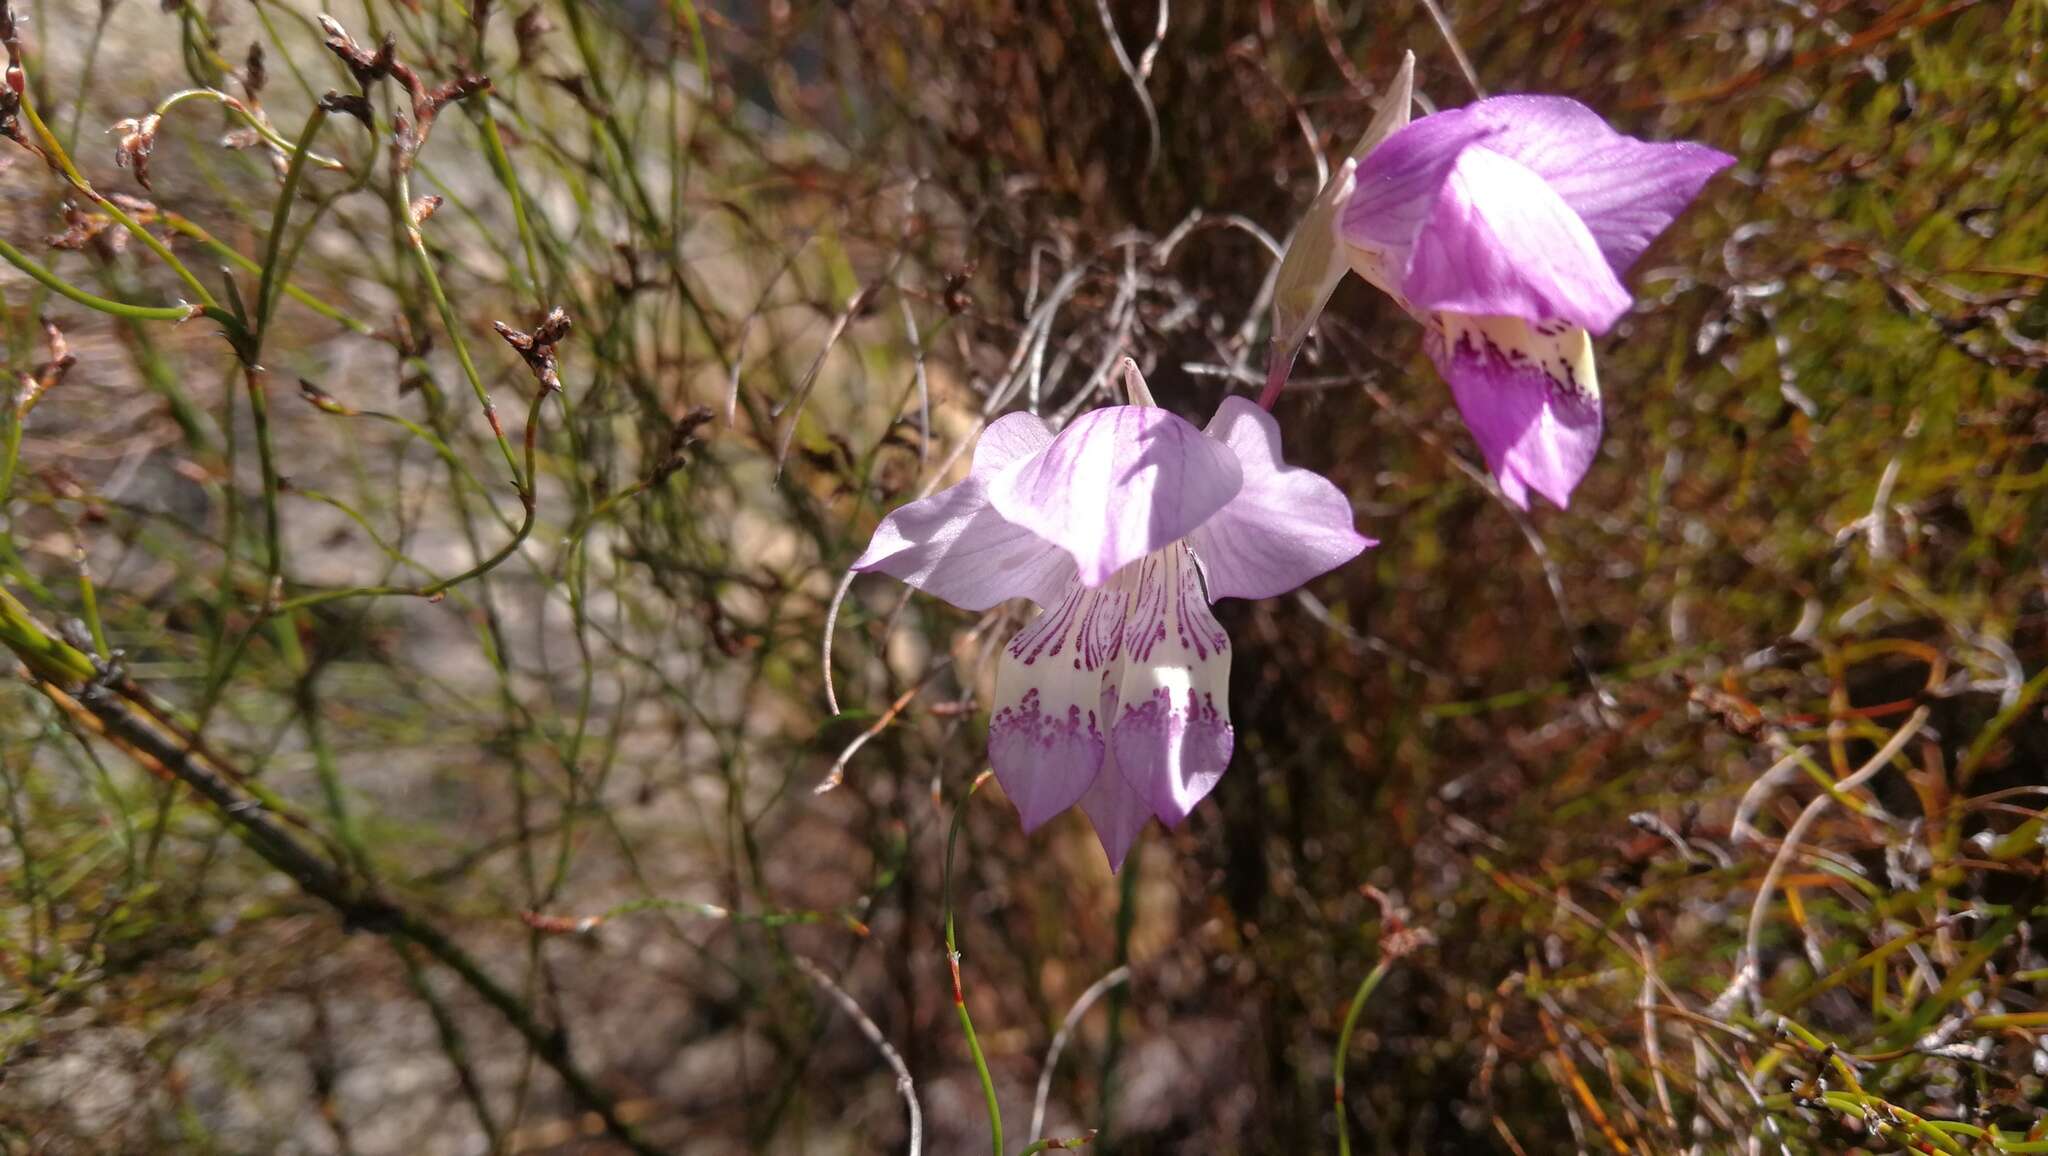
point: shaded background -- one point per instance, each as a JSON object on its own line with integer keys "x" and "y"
{"x": 578, "y": 868}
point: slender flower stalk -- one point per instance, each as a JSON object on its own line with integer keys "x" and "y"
{"x": 1505, "y": 227}
{"x": 1124, "y": 527}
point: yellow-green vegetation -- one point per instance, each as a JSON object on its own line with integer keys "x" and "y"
{"x": 410, "y": 729}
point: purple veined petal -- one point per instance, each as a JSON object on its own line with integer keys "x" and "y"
{"x": 1048, "y": 736}
{"x": 1117, "y": 812}
{"x": 1284, "y": 527}
{"x": 953, "y": 545}
{"x": 1008, "y": 440}
{"x": 1626, "y": 190}
{"x": 1117, "y": 484}
{"x": 1398, "y": 182}
{"x": 1314, "y": 261}
{"x": 1499, "y": 242}
{"x": 1172, "y": 737}
{"x": 1530, "y": 396}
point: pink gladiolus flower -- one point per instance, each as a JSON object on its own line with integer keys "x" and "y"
{"x": 1124, "y": 526}
{"x": 1505, "y": 228}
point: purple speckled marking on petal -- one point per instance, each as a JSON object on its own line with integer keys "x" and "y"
{"x": 1172, "y": 738}
{"x": 1046, "y": 739}
{"x": 1117, "y": 812}
{"x": 1046, "y": 760}
{"x": 1529, "y": 395}
{"x": 1178, "y": 744}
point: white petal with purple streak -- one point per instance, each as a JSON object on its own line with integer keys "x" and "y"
{"x": 953, "y": 545}
{"x": 1008, "y": 440}
{"x": 1172, "y": 738}
{"x": 1048, "y": 736}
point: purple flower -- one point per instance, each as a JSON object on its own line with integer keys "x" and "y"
{"x": 1123, "y": 527}
{"x": 1504, "y": 227}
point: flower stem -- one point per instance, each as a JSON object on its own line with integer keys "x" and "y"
{"x": 988, "y": 1085}
{"x": 1364, "y": 992}
{"x": 1126, "y": 916}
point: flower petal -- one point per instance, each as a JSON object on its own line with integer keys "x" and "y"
{"x": 1008, "y": 440}
{"x": 1500, "y": 242}
{"x": 1529, "y": 394}
{"x": 1397, "y": 182}
{"x": 1046, "y": 740}
{"x": 953, "y": 545}
{"x": 1117, "y": 484}
{"x": 1626, "y": 190}
{"x": 1117, "y": 812}
{"x": 1172, "y": 737}
{"x": 1314, "y": 261}
{"x": 1284, "y": 527}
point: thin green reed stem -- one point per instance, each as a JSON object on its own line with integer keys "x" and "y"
{"x": 259, "y": 410}
{"x": 1365, "y": 990}
{"x": 85, "y": 74}
{"x": 30, "y": 266}
{"x": 501, "y": 163}
{"x": 688, "y": 12}
{"x": 241, "y": 112}
{"x": 273, "y": 274}
{"x": 988, "y": 1085}
{"x": 418, "y": 247}
{"x": 227, "y": 253}
{"x": 306, "y": 691}
{"x": 62, "y": 160}
{"x": 89, "y": 609}
{"x": 10, "y": 451}
{"x": 489, "y": 564}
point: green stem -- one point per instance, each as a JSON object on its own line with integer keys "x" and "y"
{"x": 241, "y": 112}
{"x": 266, "y": 287}
{"x": 988, "y": 1084}
{"x": 1364, "y": 992}
{"x": 501, "y": 164}
{"x": 489, "y": 564}
{"x": 418, "y": 247}
{"x": 58, "y": 157}
{"x": 1126, "y": 918}
{"x": 89, "y": 609}
{"x": 30, "y": 266}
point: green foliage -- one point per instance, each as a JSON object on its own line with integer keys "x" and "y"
{"x": 399, "y": 753}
